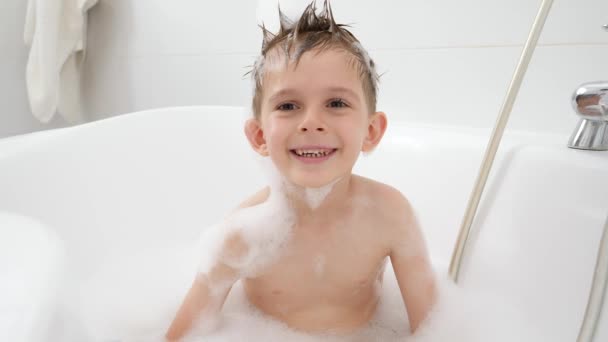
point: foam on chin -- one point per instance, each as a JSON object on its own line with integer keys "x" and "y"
{"x": 312, "y": 196}
{"x": 316, "y": 196}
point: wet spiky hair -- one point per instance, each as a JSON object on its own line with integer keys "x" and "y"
{"x": 318, "y": 32}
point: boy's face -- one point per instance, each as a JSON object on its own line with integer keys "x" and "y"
{"x": 314, "y": 118}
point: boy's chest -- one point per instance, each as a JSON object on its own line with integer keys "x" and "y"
{"x": 338, "y": 261}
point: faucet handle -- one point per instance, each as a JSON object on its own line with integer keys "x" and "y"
{"x": 590, "y": 101}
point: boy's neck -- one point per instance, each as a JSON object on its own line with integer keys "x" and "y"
{"x": 317, "y": 203}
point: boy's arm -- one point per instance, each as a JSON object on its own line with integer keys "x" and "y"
{"x": 208, "y": 292}
{"x": 197, "y": 302}
{"x": 412, "y": 265}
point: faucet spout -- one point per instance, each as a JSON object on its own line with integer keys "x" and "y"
{"x": 590, "y": 101}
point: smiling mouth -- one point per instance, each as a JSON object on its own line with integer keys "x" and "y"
{"x": 313, "y": 153}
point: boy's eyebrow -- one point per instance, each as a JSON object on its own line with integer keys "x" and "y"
{"x": 343, "y": 90}
{"x": 280, "y": 93}
{"x": 289, "y": 91}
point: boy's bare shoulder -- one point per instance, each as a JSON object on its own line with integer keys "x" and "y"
{"x": 234, "y": 244}
{"x": 390, "y": 206}
{"x": 257, "y": 198}
{"x": 381, "y": 194}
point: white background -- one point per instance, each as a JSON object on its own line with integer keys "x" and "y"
{"x": 447, "y": 62}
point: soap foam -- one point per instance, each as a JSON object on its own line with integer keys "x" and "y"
{"x": 264, "y": 228}
{"x": 319, "y": 264}
{"x": 135, "y": 297}
{"x": 316, "y": 196}
{"x": 116, "y": 309}
{"x": 260, "y": 233}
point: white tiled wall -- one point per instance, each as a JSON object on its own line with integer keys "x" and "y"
{"x": 443, "y": 61}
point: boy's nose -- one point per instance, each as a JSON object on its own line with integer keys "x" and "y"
{"x": 306, "y": 129}
{"x": 312, "y": 122}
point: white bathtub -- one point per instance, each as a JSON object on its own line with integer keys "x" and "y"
{"x": 142, "y": 181}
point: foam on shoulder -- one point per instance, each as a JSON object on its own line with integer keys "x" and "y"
{"x": 250, "y": 238}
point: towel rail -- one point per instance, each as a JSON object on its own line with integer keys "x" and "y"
{"x": 505, "y": 112}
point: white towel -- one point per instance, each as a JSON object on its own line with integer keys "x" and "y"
{"x": 55, "y": 31}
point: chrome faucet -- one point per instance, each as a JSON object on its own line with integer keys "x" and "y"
{"x": 590, "y": 101}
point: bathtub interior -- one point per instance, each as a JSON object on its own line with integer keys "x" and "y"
{"x": 537, "y": 230}
{"x": 152, "y": 180}
{"x": 27, "y": 304}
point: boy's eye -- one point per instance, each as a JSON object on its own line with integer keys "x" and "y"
{"x": 337, "y": 103}
{"x": 287, "y": 106}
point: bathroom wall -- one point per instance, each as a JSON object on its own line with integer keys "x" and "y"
{"x": 442, "y": 61}
{"x": 153, "y": 53}
{"x": 15, "y": 117}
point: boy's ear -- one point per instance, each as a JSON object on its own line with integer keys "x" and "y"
{"x": 255, "y": 135}
{"x": 375, "y": 130}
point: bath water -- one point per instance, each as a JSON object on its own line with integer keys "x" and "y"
{"x": 133, "y": 299}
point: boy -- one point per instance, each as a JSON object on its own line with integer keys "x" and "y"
{"x": 311, "y": 249}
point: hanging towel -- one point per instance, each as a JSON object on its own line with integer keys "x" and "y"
{"x": 55, "y": 31}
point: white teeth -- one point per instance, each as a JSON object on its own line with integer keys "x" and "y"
{"x": 312, "y": 153}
